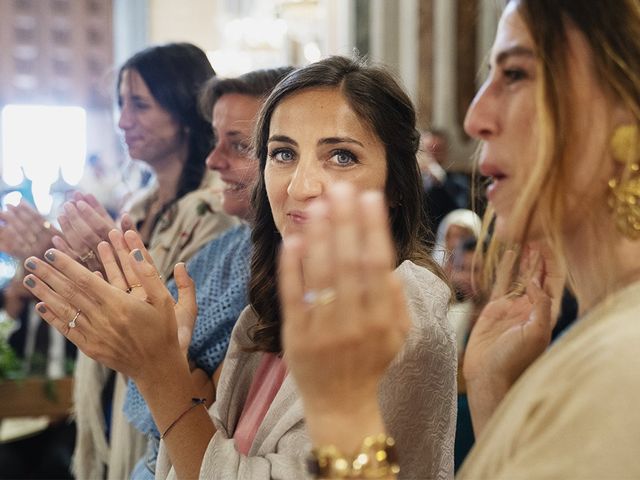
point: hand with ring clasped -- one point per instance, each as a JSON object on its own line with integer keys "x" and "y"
{"x": 340, "y": 338}
{"x": 139, "y": 334}
{"x": 24, "y": 232}
{"x": 512, "y": 331}
{"x": 85, "y": 223}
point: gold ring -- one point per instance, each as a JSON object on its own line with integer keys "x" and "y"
{"x": 315, "y": 298}
{"x": 87, "y": 256}
{"x": 73, "y": 322}
{"x": 46, "y": 225}
{"x": 131, "y": 287}
{"x": 517, "y": 290}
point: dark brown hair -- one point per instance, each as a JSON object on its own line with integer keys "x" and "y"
{"x": 175, "y": 73}
{"x": 375, "y": 97}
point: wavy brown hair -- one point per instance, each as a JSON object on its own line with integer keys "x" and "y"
{"x": 377, "y": 98}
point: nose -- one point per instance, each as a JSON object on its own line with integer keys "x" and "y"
{"x": 481, "y": 121}
{"x": 217, "y": 160}
{"x": 307, "y": 181}
{"x": 126, "y": 119}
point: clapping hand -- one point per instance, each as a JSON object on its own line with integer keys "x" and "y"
{"x": 134, "y": 333}
{"x": 24, "y": 231}
{"x": 512, "y": 331}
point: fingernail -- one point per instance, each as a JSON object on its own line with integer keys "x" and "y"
{"x": 30, "y": 265}
{"x": 42, "y": 309}
{"x": 30, "y": 283}
{"x": 50, "y": 255}
{"x": 137, "y": 254}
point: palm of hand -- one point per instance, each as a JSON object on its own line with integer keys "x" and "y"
{"x": 506, "y": 339}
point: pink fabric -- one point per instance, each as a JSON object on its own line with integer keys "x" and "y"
{"x": 264, "y": 387}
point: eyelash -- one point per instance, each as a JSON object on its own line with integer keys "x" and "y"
{"x": 513, "y": 75}
{"x": 352, "y": 159}
{"x": 274, "y": 155}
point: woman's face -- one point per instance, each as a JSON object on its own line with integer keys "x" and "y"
{"x": 504, "y": 116}
{"x": 150, "y": 132}
{"x": 315, "y": 140}
{"x": 233, "y": 121}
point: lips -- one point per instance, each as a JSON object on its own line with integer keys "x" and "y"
{"x": 298, "y": 217}
{"x": 496, "y": 175}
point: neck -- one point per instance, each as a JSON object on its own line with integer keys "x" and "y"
{"x": 168, "y": 173}
{"x": 601, "y": 263}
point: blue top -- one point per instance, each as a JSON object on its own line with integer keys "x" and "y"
{"x": 220, "y": 271}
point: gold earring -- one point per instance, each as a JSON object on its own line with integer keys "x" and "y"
{"x": 625, "y": 191}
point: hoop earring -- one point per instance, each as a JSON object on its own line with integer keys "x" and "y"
{"x": 624, "y": 197}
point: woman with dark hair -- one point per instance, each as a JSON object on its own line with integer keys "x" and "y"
{"x": 558, "y": 118}
{"x": 157, "y": 90}
{"x": 335, "y": 121}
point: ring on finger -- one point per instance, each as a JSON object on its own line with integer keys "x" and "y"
{"x": 131, "y": 287}
{"x": 316, "y": 298}
{"x": 73, "y": 323}
{"x": 517, "y": 290}
{"x": 87, "y": 256}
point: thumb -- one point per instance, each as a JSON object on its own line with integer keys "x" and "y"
{"x": 186, "y": 289}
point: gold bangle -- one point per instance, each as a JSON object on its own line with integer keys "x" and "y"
{"x": 377, "y": 458}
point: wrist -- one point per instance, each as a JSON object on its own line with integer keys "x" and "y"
{"x": 344, "y": 428}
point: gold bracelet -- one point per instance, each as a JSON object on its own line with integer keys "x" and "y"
{"x": 194, "y": 403}
{"x": 377, "y": 458}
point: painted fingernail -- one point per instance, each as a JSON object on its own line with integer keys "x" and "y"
{"x": 30, "y": 282}
{"x": 42, "y": 309}
{"x": 137, "y": 254}
{"x": 31, "y": 265}
{"x": 50, "y": 255}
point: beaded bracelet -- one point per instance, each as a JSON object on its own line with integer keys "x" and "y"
{"x": 194, "y": 403}
{"x": 377, "y": 458}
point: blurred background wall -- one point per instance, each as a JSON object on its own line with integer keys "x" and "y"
{"x": 63, "y": 53}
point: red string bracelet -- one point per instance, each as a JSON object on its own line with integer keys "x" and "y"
{"x": 194, "y": 403}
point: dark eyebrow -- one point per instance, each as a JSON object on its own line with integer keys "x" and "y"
{"x": 336, "y": 140}
{"x": 282, "y": 138}
{"x": 517, "y": 51}
{"x": 323, "y": 141}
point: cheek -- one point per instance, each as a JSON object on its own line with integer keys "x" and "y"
{"x": 276, "y": 191}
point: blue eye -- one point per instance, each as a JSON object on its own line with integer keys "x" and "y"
{"x": 282, "y": 155}
{"x": 344, "y": 158}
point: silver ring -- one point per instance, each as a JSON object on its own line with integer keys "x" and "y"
{"x": 87, "y": 256}
{"x": 315, "y": 298}
{"x": 73, "y": 323}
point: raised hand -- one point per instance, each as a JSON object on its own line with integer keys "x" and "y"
{"x": 133, "y": 334}
{"x": 512, "y": 331}
{"x": 85, "y": 223}
{"x": 344, "y": 312}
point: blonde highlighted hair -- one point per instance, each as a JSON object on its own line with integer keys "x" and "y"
{"x": 612, "y": 33}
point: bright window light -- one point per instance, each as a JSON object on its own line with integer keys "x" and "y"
{"x": 43, "y": 142}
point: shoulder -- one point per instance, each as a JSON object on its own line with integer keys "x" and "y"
{"x": 424, "y": 290}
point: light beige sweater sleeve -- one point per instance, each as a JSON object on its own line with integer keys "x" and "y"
{"x": 574, "y": 413}
{"x": 417, "y": 396}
